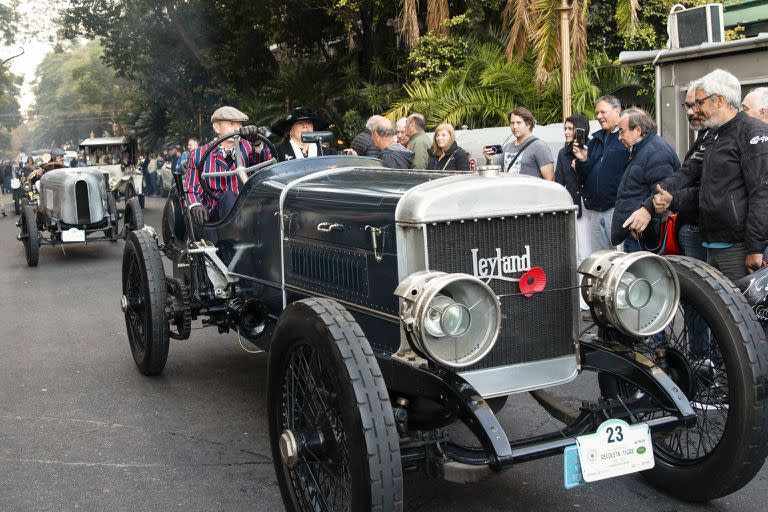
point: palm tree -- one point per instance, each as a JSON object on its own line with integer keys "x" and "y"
{"x": 535, "y": 25}
{"x": 438, "y": 13}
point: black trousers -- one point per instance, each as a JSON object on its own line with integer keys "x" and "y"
{"x": 730, "y": 261}
{"x": 223, "y": 206}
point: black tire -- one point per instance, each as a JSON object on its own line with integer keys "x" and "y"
{"x": 318, "y": 344}
{"x": 725, "y": 378}
{"x": 142, "y": 201}
{"x": 144, "y": 296}
{"x": 30, "y": 231}
{"x": 134, "y": 215}
{"x": 173, "y": 228}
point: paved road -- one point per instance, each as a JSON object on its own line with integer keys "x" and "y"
{"x": 81, "y": 429}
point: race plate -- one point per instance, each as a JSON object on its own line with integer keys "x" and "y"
{"x": 73, "y": 235}
{"x": 616, "y": 449}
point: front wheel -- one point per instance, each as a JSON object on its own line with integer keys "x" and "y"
{"x": 332, "y": 431}
{"x": 715, "y": 350}
{"x": 134, "y": 215}
{"x": 143, "y": 302}
{"x": 31, "y": 235}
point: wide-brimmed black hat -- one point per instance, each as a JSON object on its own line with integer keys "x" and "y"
{"x": 299, "y": 114}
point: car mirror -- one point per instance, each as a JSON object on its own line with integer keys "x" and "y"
{"x": 320, "y": 137}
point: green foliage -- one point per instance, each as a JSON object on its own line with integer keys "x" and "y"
{"x": 434, "y": 55}
{"x": 9, "y": 19}
{"x": 735, "y": 33}
{"x": 76, "y": 93}
{"x": 482, "y": 88}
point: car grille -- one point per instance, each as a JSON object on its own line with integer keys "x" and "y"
{"x": 532, "y": 328}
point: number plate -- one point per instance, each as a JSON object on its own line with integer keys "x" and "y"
{"x": 73, "y": 235}
{"x": 616, "y": 449}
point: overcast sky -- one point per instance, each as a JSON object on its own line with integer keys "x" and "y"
{"x": 36, "y": 14}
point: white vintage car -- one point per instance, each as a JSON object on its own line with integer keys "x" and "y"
{"x": 116, "y": 158}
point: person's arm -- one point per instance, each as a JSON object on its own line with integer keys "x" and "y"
{"x": 420, "y": 153}
{"x": 548, "y": 171}
{"x": 754, "y": 164}
{"x": 194, "y": 190}
{"x": 462, "y": 160}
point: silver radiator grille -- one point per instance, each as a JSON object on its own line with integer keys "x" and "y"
{"x": 500, "y": 250}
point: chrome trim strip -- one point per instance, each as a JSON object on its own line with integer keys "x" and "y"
{"x": 351, "y": 305}
{"x": 283, "y": 193}
{"x": 516, "y": 378}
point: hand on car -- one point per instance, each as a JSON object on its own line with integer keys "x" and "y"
{"x": 662, "y": 199}
{"x": 199, "y": 214}
{"x": 637, "y": 222}
{"x": 754, "y": 262}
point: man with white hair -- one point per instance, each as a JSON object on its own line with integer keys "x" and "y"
{"x": 732, "y": 179}
{"x": 362, "y": 144}
{"x": 401, "y": 132}
{"x": 755, "y": 104}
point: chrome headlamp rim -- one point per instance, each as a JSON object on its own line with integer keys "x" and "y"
{"x": 418, "y": 291}
{"x": 604, "y": 271}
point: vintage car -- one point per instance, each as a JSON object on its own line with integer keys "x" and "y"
{"x": 396, "y": 303}
{"x": 24, "y": 192}
{"x": 74, "y": 206}
{"x": 118, "y": 159}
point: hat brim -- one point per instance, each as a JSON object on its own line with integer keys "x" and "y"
{"x": 281, "y": 127}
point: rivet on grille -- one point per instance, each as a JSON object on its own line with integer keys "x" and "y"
{"x": 503, "y": 218}
{"x": 541, "y": 214}
{"x": 489, "y": 219}
{"x": 461, "y": 222}
{"x": 476, "y": 220}
{"x": 448, "y": 223}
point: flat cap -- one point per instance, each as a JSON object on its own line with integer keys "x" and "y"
{"x": 228, "y": 114}
{"x": 57, "y": 152}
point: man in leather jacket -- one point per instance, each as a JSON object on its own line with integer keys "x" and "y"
{"x": 732, "y": 179}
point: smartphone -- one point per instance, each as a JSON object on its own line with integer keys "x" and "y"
{"x": 580, "y": 137}
{"x": 495, "y": 148}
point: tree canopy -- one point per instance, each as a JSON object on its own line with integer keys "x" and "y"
{"x": 464, "y": 61}
{"x": 9, "y": 84}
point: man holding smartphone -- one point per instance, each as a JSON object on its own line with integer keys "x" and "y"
{"x": 600, "y": 166}
{"x": 526, "y": 154}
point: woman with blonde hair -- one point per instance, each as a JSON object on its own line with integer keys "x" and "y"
{"x": 445, "y": 154}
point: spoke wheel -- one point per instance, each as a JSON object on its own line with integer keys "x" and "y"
{"x": 715, "y": 351}
{"x": 334, "y": 441}
{"x": 143, "y": 302}
{"x": 31, "y": 234}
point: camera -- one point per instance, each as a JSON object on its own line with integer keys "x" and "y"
{"x": 495, "y": 148}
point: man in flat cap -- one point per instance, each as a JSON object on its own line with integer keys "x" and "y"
{"x": 230, "y": 154}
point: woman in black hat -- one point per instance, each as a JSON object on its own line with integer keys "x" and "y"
{"x": 300, "y": 120}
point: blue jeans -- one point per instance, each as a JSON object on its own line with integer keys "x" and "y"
{"x": 698, "y": 334}
{"x": 601, "y": 229}
{"x": 631, "y": 245}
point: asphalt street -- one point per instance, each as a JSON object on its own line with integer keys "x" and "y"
{"x": 82, "y": 429}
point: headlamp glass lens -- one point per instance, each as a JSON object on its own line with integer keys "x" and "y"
{"x": 455, "y": 320}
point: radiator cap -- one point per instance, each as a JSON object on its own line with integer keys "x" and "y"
{"x": 489, "y": 170}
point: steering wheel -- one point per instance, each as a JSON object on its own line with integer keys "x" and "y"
{"x": 240, "y": 172}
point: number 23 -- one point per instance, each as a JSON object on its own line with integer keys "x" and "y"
{"x": 615, "y": 434}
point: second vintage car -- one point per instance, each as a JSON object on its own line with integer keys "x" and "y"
{"x": 117, "y": 158}
{"x": 74, "y": 206}
{"x": 395, "y": 303}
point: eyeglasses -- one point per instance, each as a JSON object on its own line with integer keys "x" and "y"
{"x": 697, "y": 104}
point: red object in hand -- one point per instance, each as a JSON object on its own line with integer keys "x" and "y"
{"x": 532, "y": 281}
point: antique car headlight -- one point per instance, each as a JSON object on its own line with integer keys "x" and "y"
{"x": 637, "y": 293}
{"x": 452, "y": 319}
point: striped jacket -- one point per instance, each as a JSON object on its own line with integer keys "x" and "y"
{"x": 218, "y": 163}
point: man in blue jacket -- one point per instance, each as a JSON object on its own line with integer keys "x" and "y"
{"x": 600, "y": 166}
{"x": 651, "y": 159}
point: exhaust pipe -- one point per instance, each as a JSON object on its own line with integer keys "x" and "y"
{"x": 247, "y": 315}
